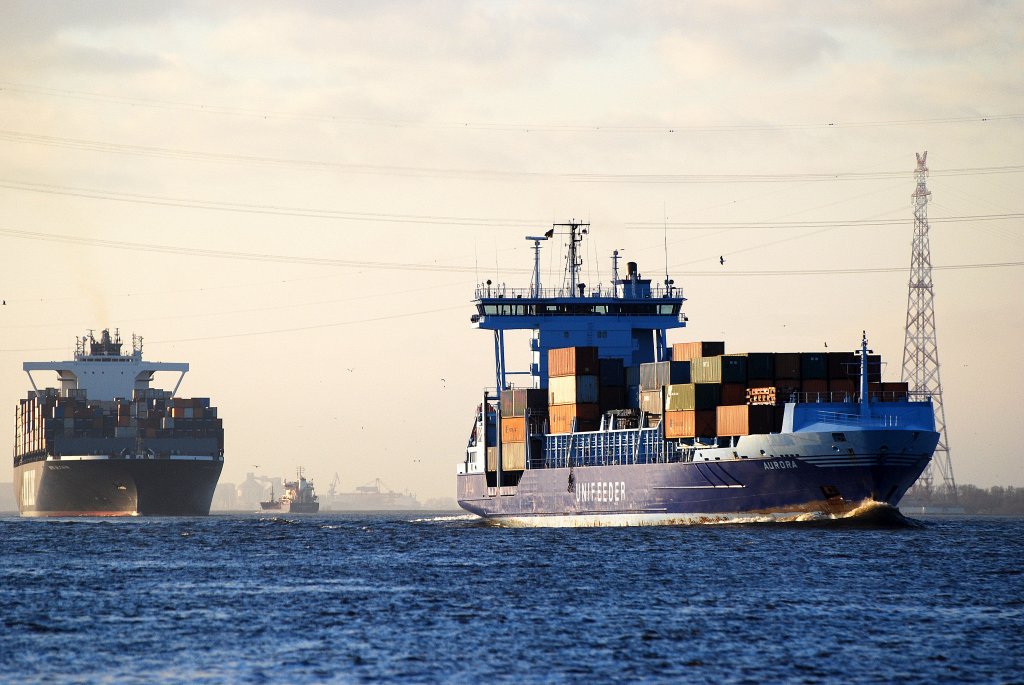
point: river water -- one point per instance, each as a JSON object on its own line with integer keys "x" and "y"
{"x": 425, "y": 598}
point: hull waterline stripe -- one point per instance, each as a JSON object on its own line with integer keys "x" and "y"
{"x": 695, "y": 487}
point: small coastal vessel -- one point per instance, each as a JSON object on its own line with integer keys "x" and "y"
{"x": 298, "y": 497}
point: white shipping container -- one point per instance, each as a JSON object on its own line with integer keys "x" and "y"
{"x": 572, "y": 390}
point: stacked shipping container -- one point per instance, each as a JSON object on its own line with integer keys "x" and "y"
{"x": 573, "y": 383}
{"x": 702, "y": 392}
{"x": 523, "y": 413}
{"x": 150, "y": 414}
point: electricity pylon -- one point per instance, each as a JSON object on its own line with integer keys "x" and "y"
{"x": 920, "y": 348}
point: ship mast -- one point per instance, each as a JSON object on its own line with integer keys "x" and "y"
{"x": 536, "y": 262}
{"x": 573, "y": 261}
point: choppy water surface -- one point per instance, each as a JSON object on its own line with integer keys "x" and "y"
{"x": 422, "y": 598}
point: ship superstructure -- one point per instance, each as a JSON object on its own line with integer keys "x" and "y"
{"x": 108, "y": 443}
{"x": 611, "y": 426}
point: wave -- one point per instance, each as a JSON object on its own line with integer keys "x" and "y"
{"x": 446, "y": 519}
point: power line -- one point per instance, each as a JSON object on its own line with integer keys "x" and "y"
{"x": 439, "y": 172}
{"x": 700, "y": 226}
{"x": 781, "y": 178}
{"x": 837, "y": 272}
{"x": 421, "y": 266}
{"x": 251, "y": 334}
{"x": 277, "y": 210}
{"x": 474, "y": 222}
{"x": 261, "y": 309}
{"x": 242, "y": 256}
{"x": 515, "y": 127}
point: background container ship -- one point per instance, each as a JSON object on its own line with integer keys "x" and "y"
{"x": 617, "y": 428}
{"x": 107, "y": 444}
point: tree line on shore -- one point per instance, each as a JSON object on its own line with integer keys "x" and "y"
{"x": 995, "y": 501}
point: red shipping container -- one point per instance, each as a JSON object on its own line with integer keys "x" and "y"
{"x": 787, "y": 365}
{"x": 874, "y": 368}
{"x": 689, "y": 423}
{"x": 814, "y": 385}
{"x": 895, "y": 392}
{"x": 843, "y": 365}
{"x": 846, "y": 385}
{"x": 733, "y": 393}
{"x": 613, "y": 397}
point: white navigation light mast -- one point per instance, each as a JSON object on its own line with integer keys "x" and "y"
{"x": 615, "y": 273}
{"x": 920, "y": 349}
{"x": 536, "y": 261}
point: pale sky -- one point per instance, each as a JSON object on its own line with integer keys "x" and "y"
{"x": 298, "y": 198}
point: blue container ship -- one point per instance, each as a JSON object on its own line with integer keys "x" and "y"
{"x": 610, "y": 425}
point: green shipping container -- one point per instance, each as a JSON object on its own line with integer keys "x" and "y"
{"x": 726, "y": 368}
{"x": 688, "y": 396}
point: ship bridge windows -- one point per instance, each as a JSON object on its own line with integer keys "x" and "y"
{"x": 579, "y": 309}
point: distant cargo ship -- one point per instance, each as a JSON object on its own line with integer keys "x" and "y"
{"x": 617, "y": 428}
{"x": 107, "y": 444}
{"x": 374, "y": 496}
{"x": 298, "y": 498}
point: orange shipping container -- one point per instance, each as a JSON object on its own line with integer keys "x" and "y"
{"x": 573, "y": 361}
{"x": 689, "y": 423}
{"x": 686, "y": 351}
{"x": 744, "y": 419}
{"x": 513, "y": 429}
{"x": 587, "y": 417}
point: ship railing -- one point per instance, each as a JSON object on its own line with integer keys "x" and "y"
{"x": 854, "y": 397}
{"x": 840, "y": 418}
{"x": 822, "y": 397}
{"x": 606, "y": 448}
{"x": 502, "y": 291}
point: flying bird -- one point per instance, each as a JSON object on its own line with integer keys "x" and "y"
{"x": 721, "y": 260}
